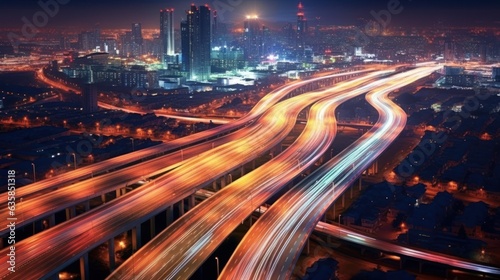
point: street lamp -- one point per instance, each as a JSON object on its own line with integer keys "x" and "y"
{"x": 217, "y": 259}
{"x": 74, "y": 159}
{"x": 34, "y": 172}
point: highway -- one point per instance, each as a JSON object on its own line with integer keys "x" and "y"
{"x": 178, "y": 251}
{"x": 48, "y": 253}
{"x": 272, "y": 246}
{"x": 159, "y": 114}
{"x": 137, "y": 156}
{"x": 386, "y": 246}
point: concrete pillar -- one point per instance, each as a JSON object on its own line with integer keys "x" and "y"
{"x": 52, "y": 220}
{"x": 191, "y": 202}
{"x": 84, "y": 267}
{"x": 170, "y": 215}
{"x": 103, "y": 198}
{"x": 70, "y": 212}
{"x": 253, "y": 164}
{"x": 111, "y": 254}
{"x": 152, "y": 227}
{"x": 86, "y": 205}
{"x": 229, "y": 178}
{"x": 136, "y": 237}
{"x": 214, "y": 185}
{"x": 223, "y": 182}
{"x": 242, "y": 171}
{"x": 180, "y": 206}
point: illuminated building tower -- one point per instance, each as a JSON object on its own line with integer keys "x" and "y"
{"x": 301, "y": 27}
{"x": 196, "y": 43}
{"x": 89, "y": 96}
{"x": 449, "y": 51}
{"x": 137, "y": 40}
{"x": 167, "y": 33}
{"x": 252, "y": 38}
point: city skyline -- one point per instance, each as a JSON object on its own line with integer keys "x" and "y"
{"x": 114, "y": 14}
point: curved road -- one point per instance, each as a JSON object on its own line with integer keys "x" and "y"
{"x": 271, "y": 248}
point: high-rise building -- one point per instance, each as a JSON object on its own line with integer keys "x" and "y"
{"x": 196, "y": 43}
{"x": 136, "y": 39}
{"x": 301, "y": 27}
{"x": 496, "y": 74}
{"x": 449, "y": 51}
{"x": 252, "y": 39}
{"x": 167, "y": 33}
{"x": 89, "y": 96}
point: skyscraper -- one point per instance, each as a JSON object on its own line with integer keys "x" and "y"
{"x": 449, "y": 51}
{"x": 301, "y": 27}
{"x": 89, "y": 96}
{"x": 196, "y": 43}
{"x": 137, "y": 40}
{"x": 167, "y": 33}
{"x": 252, "y": 38}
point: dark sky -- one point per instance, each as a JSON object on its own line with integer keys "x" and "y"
{"x": 120, "y": 13}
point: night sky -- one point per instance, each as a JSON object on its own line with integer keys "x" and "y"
{"x": 120, "y": 13}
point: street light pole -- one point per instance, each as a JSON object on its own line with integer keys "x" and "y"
{"x": 34, "y": 172}
{"x": 217, "y": 259}
{"x": 74, "y": 159}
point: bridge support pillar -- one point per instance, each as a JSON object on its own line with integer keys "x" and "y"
{"x": 253, "y": 164}
{"x": 84, "y": 267}
{"x": 180, "y": 207}
{"x": 223, "y": 182}
{"x": 86, "y": 204}
{"x": 70, "y": 212}
{"x": 214, "y": 185}
{"x": 103, "y": 198}
{"x": 136, "y": 237}
{"x": 308, "y": 246}
{"x": 229, "y": 178}
{"x": 118, "y": 193}
{"x": 242, "y": 171}
{"x": 111, "y": 254}
{"x": 52, "y": 220}
{"x": 191, "y": 202}
{"x": 152, "y": 227}
{"x": 170, "y": 215}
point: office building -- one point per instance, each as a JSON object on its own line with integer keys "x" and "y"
{"x": 496, "y": 74}
{"x": 196, "y": 43}
{"x": 301, "y": 27}
{"x": 252, "y": 39}
{"x": 89, "y": 97}
{"x": 167, "y": 34}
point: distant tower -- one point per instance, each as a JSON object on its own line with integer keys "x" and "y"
{"x": 167, "y": 33}
{"x": 215, "y": 33}
{"x": 196, "y": 43}
{"x": 252, "y": 37}
{"x": 301, "y": 27}
{"x": 89, "y": 96}
{"x": 449, "y": 51}
{"x": 137, "y": 40}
